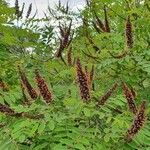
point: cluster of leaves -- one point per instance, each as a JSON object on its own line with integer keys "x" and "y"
{"x": 95, "y": 95}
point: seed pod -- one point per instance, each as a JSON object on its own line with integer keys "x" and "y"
{"x": 128, "y": 33}
{"x": 138, "y": 122}
{"x": 42, "y": 85}
{"x": 107, "y": 28}
{"x": 83, "y": 82}
{"x": 29, "y": 11}
{"x": 105, "y": 97}
{"x": 27, "y": 85}
{"x": 130, "y": 98}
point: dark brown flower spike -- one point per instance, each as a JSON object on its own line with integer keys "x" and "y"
{"x": 128, "y": 33}
{"x": 22, "y": 10}
{"x": 65, "y": 39}
{"x": 95, "y": 27}
{"x": 87, "y": 73}
{"x": 83, "y": 82}
{"x": 3, "y": 86}
{"x": 90, "y": 40}
{"x": 106, "y": 96}
{"x": 17, "y": 8}
{"x": 92, "y": 74}
{"x": 27, "y": 85}
{"x": 26, "y": 99}
{"x": 133, "y": 92}
{"x": 99, "y": 23}
{"x": 29, "y": 11}
{"x": 23, "y": 91}
{"x": 6, "y": 110}
{"x": 107, "y": 27}
{"x": 138, "y": 122}
{"x": 130, "y": 98}
{"x": 69, "y": 56}
{"x": 43, "y": 87}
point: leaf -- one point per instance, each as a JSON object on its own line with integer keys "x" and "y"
{"x": 7, "y": 99}
{"x": 41, "y": 127}
{"x": 66, "y": 141}
{"x": 107, "y": 138}
{"x": 41, "y": 146}
{"x": 60, "y": 147}
{"x": 34, "y": 129}
{"x": 146, "y": 83}
{"x": 4, "y": 144}
{"x": 1, "y": 100}
{"x": 51, "y": 125}
{"x": 79, "y": 146}
{"x": 87, "y": 112}
{"x": 22, "y": 138}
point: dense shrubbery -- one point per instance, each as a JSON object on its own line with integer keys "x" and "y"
{"x": 82, "y": 87}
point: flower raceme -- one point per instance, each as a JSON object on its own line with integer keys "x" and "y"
{"x": 99, "y": 25}
{"x": 107, "y": 28}
{"x": 17, "y": 8}
{"x": 130, "y": 98}
{"x": 83, "y": 82}
{"x": 128, "y": 33}
{"x": 105, "y": 97}
{"x": 23, "y": 91}
{"x": 133, "y": 92}
{"x": 137, "y": 123}
{"x": 29, "y": 10}
{"x": 27, "y": 85}
{"x": 42, "y": 85}
{"x": 69, "y": 56}
{"x": 65, "y": 39}
{"x": 90, "y": 76}
{"x": 26, "y": 99}
{"x": 7, "y": 110}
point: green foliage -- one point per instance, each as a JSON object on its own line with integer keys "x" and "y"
{"x": 68, "y": 122}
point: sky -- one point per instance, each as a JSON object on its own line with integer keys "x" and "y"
{"x": 41, "y": 5}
